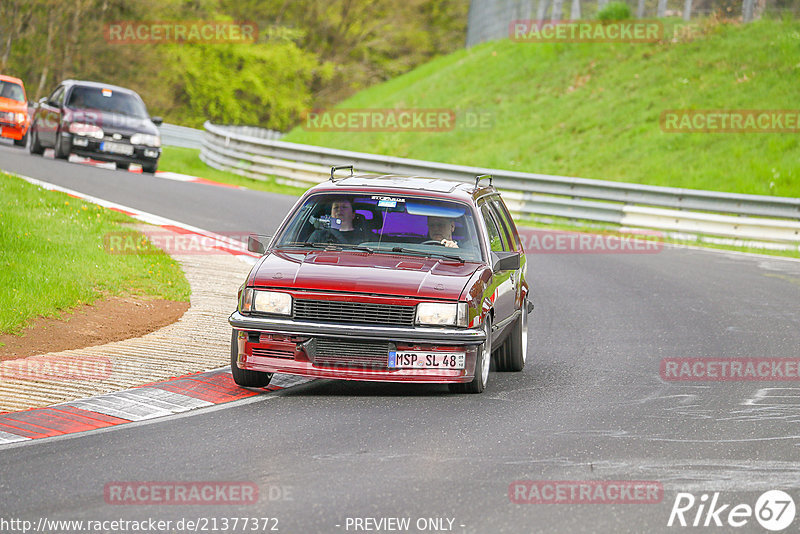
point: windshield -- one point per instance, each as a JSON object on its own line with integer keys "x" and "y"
{"x": 380, "y": 223}
{"x": 12, "y": 91}
{"x": 107, "y": 100}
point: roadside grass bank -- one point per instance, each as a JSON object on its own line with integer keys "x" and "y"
{"x": 593, "y": 110}
{"x": 187, "y": 161}
{"x": 53, "y": 257}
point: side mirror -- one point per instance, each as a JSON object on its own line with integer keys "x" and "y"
{"x": 505, "y": 261}
{"x": 158, "y": 121}
{"x": 257, "y": 243}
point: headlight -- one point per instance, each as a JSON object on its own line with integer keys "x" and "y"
{"x": 89, "y": 130}
{"x": 442, "y": 314}
{"x": 145, "y": 139}
{"x": 20, "y": 117}
{"x": 266, "y": 302}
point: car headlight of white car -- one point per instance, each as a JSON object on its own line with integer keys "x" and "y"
{"x": 87, "y": 130}
{"x": 442, "y": 313}
{"x": 145, "y": 139}
{"x": 272, "y": 302}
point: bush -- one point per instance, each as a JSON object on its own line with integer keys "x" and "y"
{"x": 615, "y": 11}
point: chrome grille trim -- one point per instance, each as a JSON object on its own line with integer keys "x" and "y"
{"x": 348, "y": 353}
{"x": 272, "y": 353}
{"x": 353, "y": 312}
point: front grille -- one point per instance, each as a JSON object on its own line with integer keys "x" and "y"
{"x": 341, "y": 352}
{"x": 6, "y": 115}
{"x": 353, "y": 312}
{"x": 272, "y": 353}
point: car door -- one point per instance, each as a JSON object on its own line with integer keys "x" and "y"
{"x": 503, "y": 285}
{"x": 49, "y": 117}
{"x": 510, "y": 230}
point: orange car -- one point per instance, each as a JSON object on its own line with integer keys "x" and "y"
{"x": 14, "y": 119}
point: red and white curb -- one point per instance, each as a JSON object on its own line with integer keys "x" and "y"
{"x": 150, "y": 401}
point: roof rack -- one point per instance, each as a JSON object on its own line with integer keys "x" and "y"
{"x": 340, "y": 167}
{"x": 481, "y": 177}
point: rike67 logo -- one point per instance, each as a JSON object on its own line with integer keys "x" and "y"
{"x": 774, "y": 510}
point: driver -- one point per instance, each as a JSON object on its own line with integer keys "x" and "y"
{"x": 342, "y": 209}
{"x": 440, "y": 229}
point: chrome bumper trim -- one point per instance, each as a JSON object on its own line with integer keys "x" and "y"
{"x": 466, "y": 336}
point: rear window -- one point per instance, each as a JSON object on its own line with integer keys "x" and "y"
{"x": 108, "y": 100}
{"x": 12, "y": 91}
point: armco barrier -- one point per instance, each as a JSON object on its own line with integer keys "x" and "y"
{"x": 753, "y": 217}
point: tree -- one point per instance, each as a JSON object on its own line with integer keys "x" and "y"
{"x": 575, "y": 11}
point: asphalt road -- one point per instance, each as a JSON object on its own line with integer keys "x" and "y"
{"x": 590, "y": 404}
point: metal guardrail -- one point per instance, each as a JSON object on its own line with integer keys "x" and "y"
{"x": 663, "y": 208}
{"x": 174, "y": 135}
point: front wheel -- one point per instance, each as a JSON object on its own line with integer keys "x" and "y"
{"x": 512, "y": 356}
{"x": 149, "y": 168}
{"x": 23, "y": 141}
{"x": 59, "y": 151}
{"x": 35, "y": 147}
{"x": 245, "y": 377}
{"x": 482, "y": 363}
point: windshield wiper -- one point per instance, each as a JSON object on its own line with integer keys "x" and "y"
{"x": 429, "y": 253}
{"x": 327, "y": 246}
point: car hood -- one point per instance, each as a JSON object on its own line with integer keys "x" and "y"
{"x": 7, "y": 104}
{"x": 382, "y": 274}
{"x": 114, "y": 122}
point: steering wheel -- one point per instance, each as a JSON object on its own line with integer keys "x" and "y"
{"x": 432, "y": 242}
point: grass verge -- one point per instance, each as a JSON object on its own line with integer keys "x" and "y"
{"x": 52, "y": 256}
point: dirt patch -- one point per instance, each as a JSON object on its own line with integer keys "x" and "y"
{"x": 113, "y": 319}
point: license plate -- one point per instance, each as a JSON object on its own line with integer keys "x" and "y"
{"x": 425, "y": 360}
{"x": 116, "y": 148}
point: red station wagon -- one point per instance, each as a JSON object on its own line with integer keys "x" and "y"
{"x": 386, "y": 278}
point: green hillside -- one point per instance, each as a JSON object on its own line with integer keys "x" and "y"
{"x": 592, "y": 110}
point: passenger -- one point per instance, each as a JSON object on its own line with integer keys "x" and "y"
{"x": 347, "y": 232}
{"x": 440, "y": 230}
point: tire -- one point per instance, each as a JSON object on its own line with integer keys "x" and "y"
{"x": 149, "y": 168}
{"x": 123, "y": 166}
{"x": 23, "y": 141}
{"x": 482, "y": 363}
{"x": 244, "y": 377}
{"x": 35, "y": 147}
{"x": 514, "y": 352}
{"x": 58, "y": 150}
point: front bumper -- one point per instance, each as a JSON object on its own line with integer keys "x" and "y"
{"x": 13, "y": 130}
{"x": 280, "y": 347}
{"x": 141, "y": 153}
{"x": 443, "y": 336}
